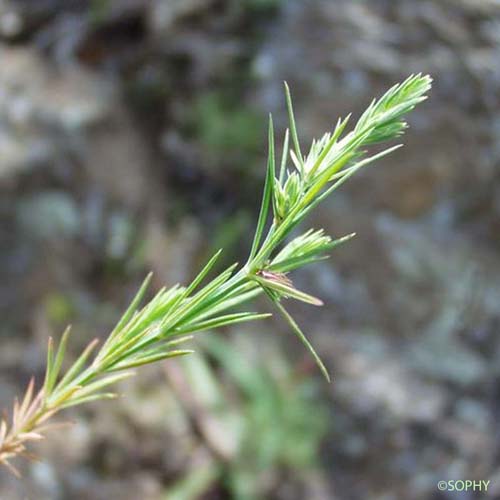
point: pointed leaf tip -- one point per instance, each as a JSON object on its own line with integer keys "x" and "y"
{"x": 298, "y": 332}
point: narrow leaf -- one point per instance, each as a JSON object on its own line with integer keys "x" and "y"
{"x": 89, "y": 398}
{"x": 284, "y": 156}
{"x": 28, "y": 397}
{"x": 146, "y": 360}
{"x": 179, "y": 340}
{"x": 102, "y": 382}
{"x": 75, "y": 369}
{"x": 219, "y": 321}
{"x": 50, "y": 364}
{"x": 202, "y": 274}
{"x": 293, "y": 128}
{"x": 56, "y": 368}
{"x": 268, "y": 193}
{"x": 301, "y": 337}
{"x": 296, "y": 262}
{"x": 131, "y": 308}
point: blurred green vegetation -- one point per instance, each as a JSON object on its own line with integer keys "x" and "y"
{"x": 59, "y": 308}
{"x": 266, "y": 428}
{"x": 226, "y": 127}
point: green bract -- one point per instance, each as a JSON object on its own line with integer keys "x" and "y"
{"x": 155, "y": 331}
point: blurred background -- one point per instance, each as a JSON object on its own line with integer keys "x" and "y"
{"x": 133, "y": 138}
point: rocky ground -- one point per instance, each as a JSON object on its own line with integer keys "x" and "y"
{"x": 132, "y": 138}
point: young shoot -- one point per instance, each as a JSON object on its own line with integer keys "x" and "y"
{"x": 159, "y": 330}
